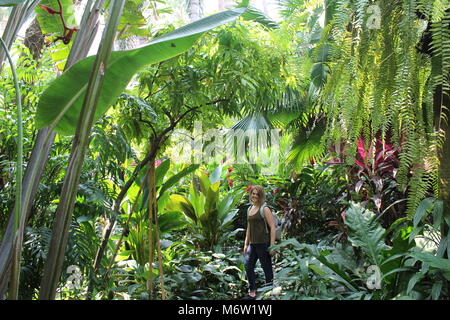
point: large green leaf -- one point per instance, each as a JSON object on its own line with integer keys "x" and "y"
{"x": 181, "y": 204}
{"x": 254, "y": 14}
{"x": 424, "y": 207}
{"x": 212, "y": 197}
{"x": 52, "y": 23}
{"x": 61, "y": 103}
{"x": 169, "y": 221}
{"x": 433, "y": 261}
{"x": 365, "y": 232}
{"x": 308, "y": 146}
{"x": 161, "y": 171}
{"x": 177, "y": 177}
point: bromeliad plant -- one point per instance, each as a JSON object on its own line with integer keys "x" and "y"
{"x": 209, "y": 212}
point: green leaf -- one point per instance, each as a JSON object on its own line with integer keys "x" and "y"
{"x": 169, "y": 221}
{"x": 254, "y": 14}
{"x": 60, "y": 105}
{"x": 177, "y": 177}
{"x": 182, "y": 204}
{"x": 412, "y": 282}
{"x": 124, "y": 255}
{"x": 211, "y": 197}
{"x": 365, "y": 232}
{"x": 51, "y": 23}
{"x": 205, "y": 183}
{"x": 161, "y": 171}
{"x": 132, "y": 21}
{"x": 438, "y": 210}
{"x": 319, "y": 74}
{"x": 436, "y": 290}
{"x": 340, "y": 275}
{"x": 424, "y": 207}
{"x": 434, "y": 262}
{"x": 308, "y": 146}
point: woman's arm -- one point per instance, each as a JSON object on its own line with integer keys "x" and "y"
{"x": 271, "y": 223}
{"x": 247, "y": 239}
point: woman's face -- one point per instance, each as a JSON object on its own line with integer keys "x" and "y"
{"x": 255, "y": 196}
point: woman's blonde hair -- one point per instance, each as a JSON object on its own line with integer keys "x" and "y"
{"x": 261, "y": 193}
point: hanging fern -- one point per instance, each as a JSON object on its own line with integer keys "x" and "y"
{"x": 380, "y": 83}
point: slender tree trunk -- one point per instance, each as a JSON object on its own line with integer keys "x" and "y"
{"x": 153, "y": 215}
{"x": 34, "y": 170}
{"x": 63, "y": 216}
{"x": 18, "y": 235}
{"x": 44, "y": 140}
{"x": 158, "y": 242}
{"x": 151, "y": 197}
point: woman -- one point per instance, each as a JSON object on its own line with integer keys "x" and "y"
{"x": 258, "y": 239}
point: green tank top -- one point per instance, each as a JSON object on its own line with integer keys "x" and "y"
{"x": 257, "y": 228}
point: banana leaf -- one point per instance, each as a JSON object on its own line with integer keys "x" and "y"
{"x": 60, "y": 105}
{"x": 254, "y": 14}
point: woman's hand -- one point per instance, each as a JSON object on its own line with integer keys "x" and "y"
{"x": 245, "y": 249}
{"x": 272, "y": 253}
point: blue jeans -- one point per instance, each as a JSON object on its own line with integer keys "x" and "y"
{"x": 257, "y": 251}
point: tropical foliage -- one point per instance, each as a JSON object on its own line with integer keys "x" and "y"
{"x": 113, "y": 183}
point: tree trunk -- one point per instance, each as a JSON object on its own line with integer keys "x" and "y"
{"x": 151, "y": 197}
{"x": 43, "y": 143}
{"x": 63, "y": 216}
{"x": 30, "y": 182}
{"x": 153, "y": 215}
